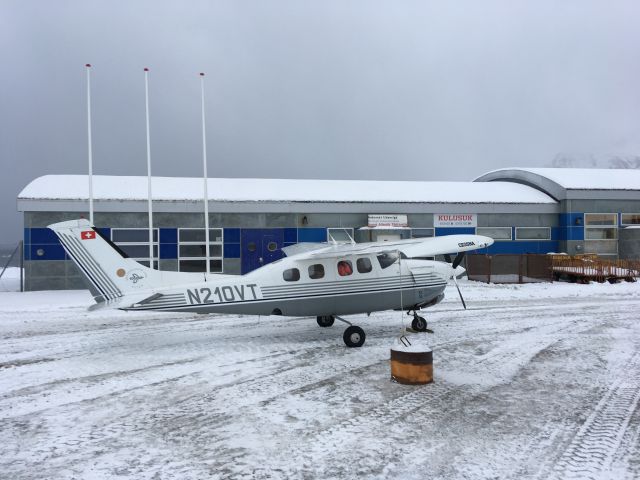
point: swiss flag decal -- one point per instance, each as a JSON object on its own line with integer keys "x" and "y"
{"x": 88, "y": 235}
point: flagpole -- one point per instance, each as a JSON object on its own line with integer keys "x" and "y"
{"x": 146, "y": 102}
{"x": 88, "y": 67}
{"x": 205, "y": 177}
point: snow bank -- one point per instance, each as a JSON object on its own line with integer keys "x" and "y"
{"x": 10, "y": 280}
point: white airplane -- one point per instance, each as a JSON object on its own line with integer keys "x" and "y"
{"x": 325, "y": 280}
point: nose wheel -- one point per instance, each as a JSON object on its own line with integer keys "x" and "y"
{"x": 419, "y": 324}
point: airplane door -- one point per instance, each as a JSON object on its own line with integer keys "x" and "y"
{"x": 259, "y": 247}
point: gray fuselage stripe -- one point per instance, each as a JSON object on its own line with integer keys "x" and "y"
{"x": 98, "y": 268}
{"x": 84, "y": 270}
{"x": 296, "y": 297}
{"x": 90, "y": 266}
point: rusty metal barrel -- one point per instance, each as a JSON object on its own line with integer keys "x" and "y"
{"x": 411, "y": 364}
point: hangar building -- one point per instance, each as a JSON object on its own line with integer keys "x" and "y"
{"x": 524, "y": 210}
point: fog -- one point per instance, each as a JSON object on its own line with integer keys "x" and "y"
{"x": 411, "y": 90}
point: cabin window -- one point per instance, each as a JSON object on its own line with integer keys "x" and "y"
{"x": 291, "y": 275}
{"x": 345, "y": 268}
{"x": 364, "y": 265}
{"x": 316, "y": 271}
{"x": 386, "y": 259}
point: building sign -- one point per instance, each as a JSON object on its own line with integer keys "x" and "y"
{"x": 388, "y": 221}
{"x": 455, "y": 220}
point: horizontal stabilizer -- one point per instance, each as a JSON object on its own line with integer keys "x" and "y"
{"x": 127, "y": 301}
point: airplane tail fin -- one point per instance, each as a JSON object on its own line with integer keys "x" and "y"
{"x": 111, "y": 273}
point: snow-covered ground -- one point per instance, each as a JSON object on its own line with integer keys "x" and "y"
{"x": 533, "y": 381}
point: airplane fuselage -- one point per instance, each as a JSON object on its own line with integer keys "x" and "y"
{"x": 294, "y": 287}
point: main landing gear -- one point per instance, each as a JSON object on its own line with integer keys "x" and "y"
{"x": 419, "y": 324}
{"x": 353, "y": 336}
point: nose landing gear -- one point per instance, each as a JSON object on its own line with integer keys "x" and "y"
{"x": 419, "y": 324}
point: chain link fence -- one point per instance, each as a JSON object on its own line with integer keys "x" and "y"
{"x": 11, "y": 267}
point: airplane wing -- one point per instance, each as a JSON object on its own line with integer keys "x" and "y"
{"x": 411, "y": 248}
{"x": 304, "y": 247}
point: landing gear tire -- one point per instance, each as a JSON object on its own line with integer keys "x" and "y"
{"x": 419, "y": 324}
{"x": 325, "y": 320}
{"x": 353, "y": 336}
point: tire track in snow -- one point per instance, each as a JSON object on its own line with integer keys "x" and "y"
{"x": 593, "y": 449}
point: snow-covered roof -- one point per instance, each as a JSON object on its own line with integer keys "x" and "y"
{"x": 559, "y": 182}
{"x": 127, "y": 188}
{"x": 585, "y": 178}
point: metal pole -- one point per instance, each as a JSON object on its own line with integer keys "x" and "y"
{"x": 146, "y": 102}
{"x": 205, "y": 177}
{"x": 88, "y": 66}
{"x": 21, "y": 266}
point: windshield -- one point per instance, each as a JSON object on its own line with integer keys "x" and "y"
{"x": 386, "y": 259}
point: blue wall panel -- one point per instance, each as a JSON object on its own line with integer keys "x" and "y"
{"x": 440, "y": 231}
{"x": 168, "y": 235}
{"x": 43, "y": 236}
{"x": 231, "y": 250}
{"x": 290, "y": 235}
{"x": 231, "y": 235}
{"x": 312, "y": 235}
{"x": 518, "y": 247}
{"x": 168, "y": 251}
{"x": 49, "y": 251}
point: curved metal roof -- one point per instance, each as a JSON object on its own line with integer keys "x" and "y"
{"x": 559, "y": 183}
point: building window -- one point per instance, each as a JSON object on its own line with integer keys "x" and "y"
{"x": 135, "y": 243}
{"x": 600, "y": 219}
{"x": 601, "y": 233}
{"x": 422, "y": 232}
{"x": 192, "y": 250}
{"x": 630, "y": 219}
{"x": 345, "y": 268}
{"x": 364, "y": 265}
{"x": 291, "y": 275}
{"x": 497, "y": 233}
{"x": 339, "y": 234}
{"x": 533, "y": 233}
{"x": 316, "y": 271}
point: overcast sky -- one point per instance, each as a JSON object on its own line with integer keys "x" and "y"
{"x": 403, "y": 90}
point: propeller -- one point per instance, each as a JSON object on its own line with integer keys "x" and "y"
{"x": 455, "y": 265}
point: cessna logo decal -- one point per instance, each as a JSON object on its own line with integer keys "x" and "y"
{"x": 227, "y": 293}
{"x": 136, "y": 277}
{"x": 466, "y": 244}
{"x": 88, "y": 235}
